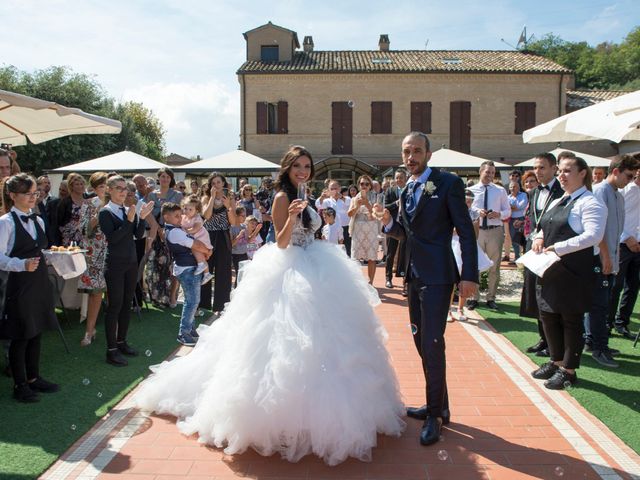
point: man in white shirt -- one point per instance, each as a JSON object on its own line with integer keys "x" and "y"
{"x": 622, "y": 170}
{"x": 628, "y": 278}
{"x": 492, "y": 205}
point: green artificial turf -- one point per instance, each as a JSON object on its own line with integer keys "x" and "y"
{"x": 611, "y": 394}
{"x": 33, "y": 436}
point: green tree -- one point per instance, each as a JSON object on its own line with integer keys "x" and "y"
{"x": 605, "y": 66}
{"x": 142, "y": 132}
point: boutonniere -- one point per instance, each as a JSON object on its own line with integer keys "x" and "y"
{"x": 430, "y": 187}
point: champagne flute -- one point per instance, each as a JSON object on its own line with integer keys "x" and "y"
{"x": 302, "y": 191}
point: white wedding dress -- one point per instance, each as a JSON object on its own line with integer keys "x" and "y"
{"x": 295, "y": 365}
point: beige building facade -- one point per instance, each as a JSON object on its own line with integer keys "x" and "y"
{"x": 352, "y": 108}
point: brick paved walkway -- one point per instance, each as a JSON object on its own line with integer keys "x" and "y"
{"x": 504, "y": 426}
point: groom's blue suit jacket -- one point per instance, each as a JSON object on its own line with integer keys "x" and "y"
{"x": 428, "y": 234}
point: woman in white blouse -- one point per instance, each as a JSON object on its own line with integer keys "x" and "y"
{"x": 571, "y": 228}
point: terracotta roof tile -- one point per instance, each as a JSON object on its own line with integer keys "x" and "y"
{"x": 408, "y": 61}
{"x": 577, "y": 99}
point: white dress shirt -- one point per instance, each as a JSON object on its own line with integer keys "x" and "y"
{"x": 497, "y": 201}
{"x": 544, "y": 194}
{"x": 116, "y": 209}
{"x": 7, "y": 239}
{"x": 340, "y": 206}
{"x": 631, "y": 195}
{"x": 588, "y": 218}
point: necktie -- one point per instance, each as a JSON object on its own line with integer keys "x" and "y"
{"x": 26, "y": 218}
{"x": 485, "y": 219}
{"x": 411, "y": 203}
{"x": 564, "y": 201}
{"x": 124, "y": 213}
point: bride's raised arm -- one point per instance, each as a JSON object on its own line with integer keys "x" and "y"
{"x": 284, "y": 216}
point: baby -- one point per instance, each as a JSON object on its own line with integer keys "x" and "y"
{"x": 192, "y": 223}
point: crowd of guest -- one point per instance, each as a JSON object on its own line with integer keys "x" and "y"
{"x": 146, "y": 238}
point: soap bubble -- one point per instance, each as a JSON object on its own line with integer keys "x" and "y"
{"x": 443, "y": 455}
{"x": 559, "y": 471}
{"x": 351, "y": 103}
{"x": 148, "y": 353}
{"x": 99, "y": 394}
{"x": 567, "y": 384}
{"x": 414, "y": 329}
{"x": 86, "y": 381}
{"x": 605, "y": 283}
{"x": 73, "y": 427}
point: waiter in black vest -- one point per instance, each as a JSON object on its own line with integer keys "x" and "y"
{"x": 548, "y": 190}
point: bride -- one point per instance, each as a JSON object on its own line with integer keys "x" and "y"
{"x": 297, "y": 363}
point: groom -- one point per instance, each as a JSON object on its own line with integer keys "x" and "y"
{"x": 431, "y": 206}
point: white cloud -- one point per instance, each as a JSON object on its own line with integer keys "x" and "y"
{"x": 200, "y": 118}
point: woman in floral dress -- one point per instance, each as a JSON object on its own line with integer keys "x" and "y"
{"x": 92, "y": 280}
{"x": 163, "y": 287}
{"x": 69, "y": 211}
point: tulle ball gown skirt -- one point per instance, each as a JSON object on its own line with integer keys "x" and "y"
{"x": 296, "y": 364}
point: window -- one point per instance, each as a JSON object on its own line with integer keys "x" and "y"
{"x": 421, "y": 117}
{"x": 525, "y": 116}
{"x": 269, "y": 53}
{"x": 272, "y": 118}
{"x": 380, "y": 117}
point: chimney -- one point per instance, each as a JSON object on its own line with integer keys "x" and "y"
{"x": 307, "y": 43}
{"x": 383, "y": 43}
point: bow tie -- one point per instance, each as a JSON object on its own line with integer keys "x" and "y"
{"x": 26, "y": 218}
{"x": 544, "y": 187}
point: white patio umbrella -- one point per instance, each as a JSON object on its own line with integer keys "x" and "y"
{"x": 616, "y": 120}
{"x": 445, "y": 158}
{"x": 120, "y": 162}
{"x": 591, "y": 160}
{"x": 23, "y": 117}
{"x": 236, "y": 161}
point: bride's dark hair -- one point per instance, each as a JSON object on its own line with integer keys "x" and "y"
{"x": 283, "y": 182}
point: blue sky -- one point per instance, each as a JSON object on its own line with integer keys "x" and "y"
{"x": 179, "y": 57}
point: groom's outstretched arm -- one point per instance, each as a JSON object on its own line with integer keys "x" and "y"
{"x": 393, "y": 227}
{"x": 462, "y": 222}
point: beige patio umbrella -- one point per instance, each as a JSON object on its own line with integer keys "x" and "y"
{"x": 23, "y": 118}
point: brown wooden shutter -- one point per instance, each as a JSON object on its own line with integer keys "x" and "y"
{"x": 525, "y": 116}
{"x": 283, "y": 117}
{"x": 460, "y": 126}
{"x": 341, "y": 128}
{"x": 381, "y": 117}
{"x": 421, "y": 117}
{"x": 261, "y": 116}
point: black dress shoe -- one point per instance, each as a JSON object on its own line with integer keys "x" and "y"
{"x": 24, "y": 394}
{"x": 430, "y": 433}
{"x": 388, "y": 284}
{"x": 114, "y": 357}
{"x": 624, "y": 331}
{"x": 41, "y": 385}
{"x": 543, "y": 353}
{"x": 545, "y": 372}
{"x": 472, "y": 304}
{"x": 541, "y": 345}
{"x": 420, "y": 413}
{"x": 492, "y": 305}
{"x": 127, "y": 350}
{"x": 404, "y": 291}
{"x": 561, "y": 380}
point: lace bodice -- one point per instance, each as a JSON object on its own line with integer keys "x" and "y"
{"x": 303, "y": 237}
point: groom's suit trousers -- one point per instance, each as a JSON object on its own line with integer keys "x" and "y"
{"x": 428, "y": 310}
